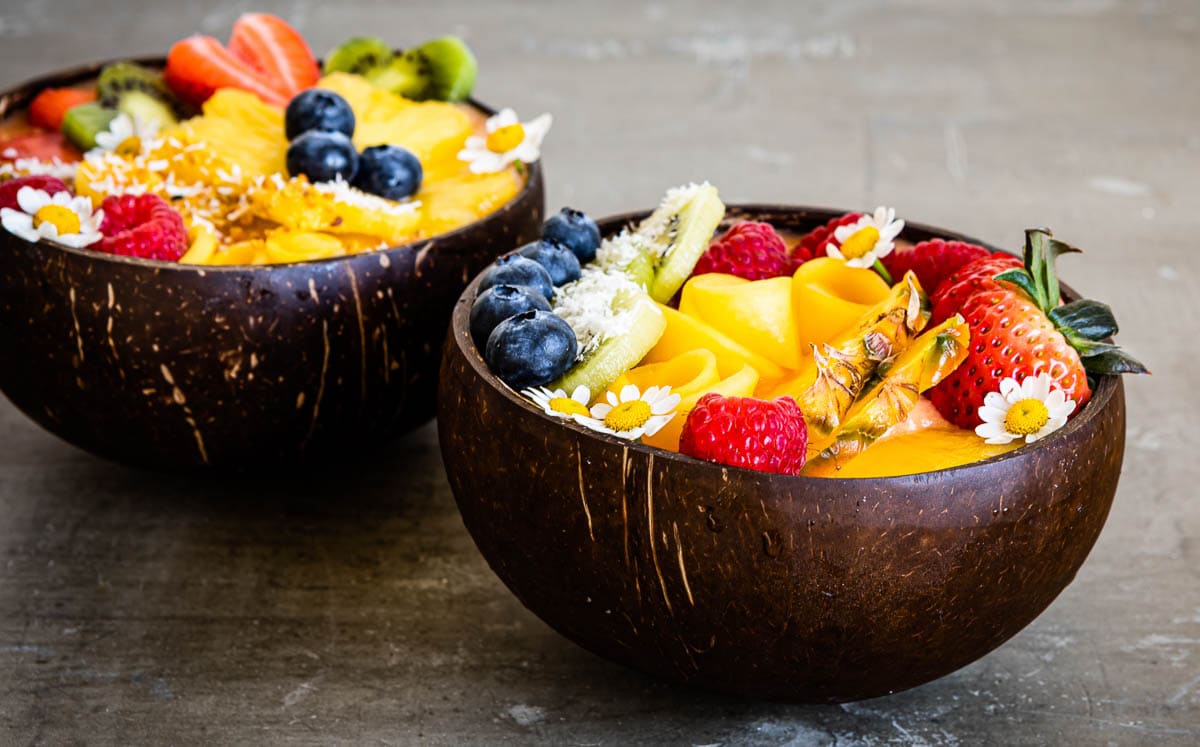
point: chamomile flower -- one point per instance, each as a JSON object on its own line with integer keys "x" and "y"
{"x": 125, "y": 135}
{"x": 633, "y": 413}
{"x": 557, "y": 404}
{"x": 866, "y": 240}
{"x": 1031, "y": 410}
{"x": 508, "y": 139}
{"x": 61, "y": 218}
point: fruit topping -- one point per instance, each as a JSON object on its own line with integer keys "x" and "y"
{"x": 558, "y": 260}
{"x": 514, "y": 269}
{"x": 45, "y": 183}
{"x": 933, "y": 261}
{"x": 441, "y": 69}
{"x": 323, "y": 156}
{"x": 274, "y": 49}
{"x": 138, "y": 91}
{"x": 763, "y": 435}
{"x": 199, "y": 65}
{"x": 574, "y": 230}
{"x": 38, "y": 153}
{"x": 498, "y": 303}
{"x": 83, "y": 123}
{"x": 318, "y": 109}
{"x": 749, "y": 250}
{"x": 142, "y": 226}
{"x": 358, "y": 55}
{"x": 50, "y": 106}
{"x": 530, "y": 349}
{"x": 389, "y": 171}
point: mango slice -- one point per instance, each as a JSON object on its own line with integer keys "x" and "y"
{"x": 756, "y": 313}
{"x": 684, "y": 333}
{"x": 910, "y": 453}
{"x": 828, "y": 296}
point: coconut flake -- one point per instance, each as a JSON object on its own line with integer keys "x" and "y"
{"x": 589, "y": 306}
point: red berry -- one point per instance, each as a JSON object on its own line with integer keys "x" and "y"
{"x": 950, "y": 295}
{"x": 276, "y": 50}
{"x": 758, "y": 434}
{"x": 813, "y": 243}
{"x": 932, "y": 261}
{"x": 9, "y": 188}
{"x": 750, "y": 250}
{"x": 198, "y": 65}
{"x": 44, "y": 146}
{"x": 50, "y": 106}
{"x": 142, "y": 226}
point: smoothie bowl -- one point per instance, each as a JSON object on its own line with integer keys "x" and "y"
{"x": 836, "y": 484}
{"x": 234, "y": 256}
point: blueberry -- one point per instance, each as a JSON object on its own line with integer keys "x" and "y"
{"x": 559, "y": 261}
{"x": 532, "y": 348}
{"x": 318, "y": 109}
{"x": 574, "y": 230}
{"x": 388, "y": 171}
{"x": 498, "y": 303}
{"x": 322, "y": 155}
{"x": 514, "y": 269}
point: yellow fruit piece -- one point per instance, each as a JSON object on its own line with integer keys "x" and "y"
{"x": 452, "y": 201}
{"x": 909, "y": 453}
{"x": 202, "y": 249}
{"x": 301, "y": 206}
{"x": 300, "y": 246}
{"x": 828, "y": 296}
{"x": 240, "y": 128}
{"x": 240, "y": 253}
{"x": 756, "y": 313}
{"x": 686, "y": 333}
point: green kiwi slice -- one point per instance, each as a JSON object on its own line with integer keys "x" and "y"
{"x": 359, "y": 56}
{"x": 137, "y": 91}
{"x": 82, "y": 123}
{"x": 638, "y": 324}
{"x": 452, "y": 68}
{"x": 407, "y": 75}
{"x": 678, "y": 232}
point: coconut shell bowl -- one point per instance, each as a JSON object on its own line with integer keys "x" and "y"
{"x": 172, "y": 365}
{"x": 787, "y": 588}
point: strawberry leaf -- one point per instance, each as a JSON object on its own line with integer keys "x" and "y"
{"x": 1114, "y": 362}
{"x": 1089, "y": 319}
{"x": 1025, "y": 282}
{"x": 1054, "y": 250}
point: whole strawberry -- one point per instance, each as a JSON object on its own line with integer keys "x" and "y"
{"x": 9, "y": 188}
{"x": 813, "y": 243}
{"x": 142, "y": 226}
{"x": 763, "y": 435}
{"x": 948, "y": 298}
{"x": 750, "y": 250}
{"x": 933, "y": 260}
{"x": 1019, "y": 329}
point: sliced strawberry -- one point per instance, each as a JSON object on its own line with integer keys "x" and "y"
{"x": 44, "y": 146}
{"x": 198, "y": 65}
{"x": 50, "y": 106}
{"x": 276, "y": 50}
{"x": 933, "y": 260}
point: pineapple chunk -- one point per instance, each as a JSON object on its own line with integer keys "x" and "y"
{"x": 239, "y": 128}
{"x": 453, "y": 202}
{"x": 300, "y": 206}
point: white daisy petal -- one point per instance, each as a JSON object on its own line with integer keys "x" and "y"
{"x": 31, "y": 200}
{"x": 601, "y": 410}
{"x": 629, "y": 392}
{"x": 581, "y": 395}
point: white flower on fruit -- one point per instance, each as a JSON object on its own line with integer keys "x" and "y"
{"x": 61, "y": 218}
{"x": 633, "y": 413}
{"x": 1031, "y": 410}
{"x": 508, "y": 139}
{"x": 125, "y": 135}
{"x": 866, "y": 240}
{"x": 557, "y": 404}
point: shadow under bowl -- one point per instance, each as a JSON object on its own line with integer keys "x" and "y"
{"x": 178, "y": 366}
{"x": 787, "y": 588}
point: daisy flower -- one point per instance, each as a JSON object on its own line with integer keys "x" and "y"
{"x": 557, "y": 404}
{"x": 125, "y": 135}
{"x": 634, "y": 413}
{"x": 508, "y": 140}
{"x": 1031, "y": 410}
{"x": 863, "y": 242}
{"x": 61, "y": 218}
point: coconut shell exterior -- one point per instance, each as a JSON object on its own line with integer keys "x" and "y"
{"x": 788, "y": 588}
{"x": 169, "y": 365}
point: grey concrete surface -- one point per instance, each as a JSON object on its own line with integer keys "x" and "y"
{"x": 352, "y": 607}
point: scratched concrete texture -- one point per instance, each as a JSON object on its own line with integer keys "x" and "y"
{"x": 350, "y": 606}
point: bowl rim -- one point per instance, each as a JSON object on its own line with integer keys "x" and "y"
{"x": 1102, "y": 395}
{"x": 77, "y": 74}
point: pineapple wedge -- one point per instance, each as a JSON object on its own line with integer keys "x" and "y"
{"x": 241, "y": 129}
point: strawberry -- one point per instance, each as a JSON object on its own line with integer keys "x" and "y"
{"x": 198, "y": 65}
{"x": 749, "y": 250}
{"x": 1019, "y": 329}
{"x": 812, "y": 244}
{"x": 50, "y": 106}
{"x": 276, "y": 50}
{"x": 758, "y": 434}
{"x": 933, "y": 260}
{"x": 44, "y": 146}
{"x": 949, "y": 296}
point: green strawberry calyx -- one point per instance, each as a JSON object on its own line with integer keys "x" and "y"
{"x": 1087, "y": 325}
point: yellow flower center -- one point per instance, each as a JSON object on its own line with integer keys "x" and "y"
{"x": 129, "y": 147}
{"x": 506, "y": 138}
{"x": 627, "y": 416}
{"x": 62, "y": 218}
{"x": 1026, "y": 416}
{"x": 568, "y": 406}
{"x": 860, "y": 242}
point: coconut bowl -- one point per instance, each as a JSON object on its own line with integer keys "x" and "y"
{"x": 170, "y": 365}
{"x": 786, "y": 588}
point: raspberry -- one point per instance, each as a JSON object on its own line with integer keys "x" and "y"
{"x": 142, "y": 226}
{"x": 933, "y": 261}
{"x": 812, "y": 244}
{"x": 758, "y": 434}
{"x": 9, "y": 189}
{"x": 750, "y": 250}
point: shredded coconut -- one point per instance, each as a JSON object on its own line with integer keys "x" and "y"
{"x": 36, "y": 167}
{"x": 341, "y": 191}
{"x": 590, "y": 305}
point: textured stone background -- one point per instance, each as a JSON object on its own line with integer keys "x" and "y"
{"x": 353, "y": 607}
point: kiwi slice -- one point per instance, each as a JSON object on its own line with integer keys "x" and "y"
{"x": 639, "y": 324}
{"x": 137, "y": 91}
{"x": 404, "y": 74}
{"x": 359, "y": 55}
{"x": 442, "y": 69}
{"x": 677, "y": 233}
{"x": 82, "y": 123}
{"x": 146, "y": 108}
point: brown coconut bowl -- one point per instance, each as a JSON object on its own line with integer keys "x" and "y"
{"x": 789, "y": 588}
{"x": 170, "y": 365}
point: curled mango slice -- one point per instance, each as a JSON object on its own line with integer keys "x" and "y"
{"x": 684, "y": 333}
{"x": 756, "y": 313}
{"x": 828, "y": 297}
